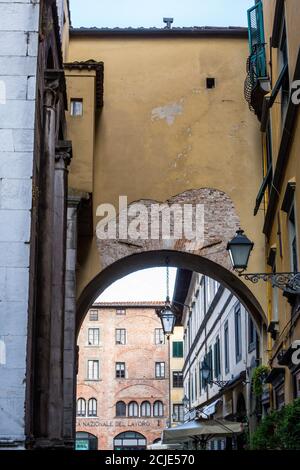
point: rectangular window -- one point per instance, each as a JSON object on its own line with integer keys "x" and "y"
{"x": 159, "y": 337}
{"x": 217, "y": 359}
{"x": 210, "y": 364}
{"x": 256, "y": 34}
{"x": 293, "y": 240}
{"x": 269, "y": 146}
{"x": 120, "y": 311}
{"x": 210, "y": 82}
{"x": 238, "y": 333}
{"x": 200, "y": 378}
{"x": 177, "y": 379}
{"x": 202, "y": 298}
{"x": 93, "y": 370}
{"x": 251, "y": 334}
{"x": 209, "y": 294}
{"x": 192, "y": 387}
{"x": 159, "y": 370}
{"x": 93, "y": 336}
{"x": 275, "y": 301}
{"x": 120, "y": 336}
{"x": 120, "y": 370}
{"x": 226, "y": 348}
{"x": 93, "y": 316}
{"x": 178, "y": 413}
{"x": 284, "y": 68}
{"x": 177, "y": 348}
{"x": 279, "y": 397}
{"x": 76, "y": 107}
{"x": 297, "y": 385}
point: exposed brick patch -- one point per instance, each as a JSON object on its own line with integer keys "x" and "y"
{"x": 220, "y": 224}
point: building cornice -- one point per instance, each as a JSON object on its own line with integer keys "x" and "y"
{"x": 195, "y": 31}
{"x": 126, "y": 304}
{"x": 98, "y": 67}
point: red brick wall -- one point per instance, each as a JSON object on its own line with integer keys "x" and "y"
{"x": 140, "y": 354}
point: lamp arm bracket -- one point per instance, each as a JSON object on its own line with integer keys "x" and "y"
{"x": 287, "y": 281}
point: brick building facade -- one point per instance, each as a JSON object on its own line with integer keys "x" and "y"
{"x": 123, "y": 383}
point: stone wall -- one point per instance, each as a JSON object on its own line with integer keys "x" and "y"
{"x": 19, "y": 23}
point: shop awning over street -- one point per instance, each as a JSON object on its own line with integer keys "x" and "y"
{"x": 197, "y": 428}
{"x": 210, "y": 409}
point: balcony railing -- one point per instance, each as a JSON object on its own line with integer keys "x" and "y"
{"x": 256, "y": 83}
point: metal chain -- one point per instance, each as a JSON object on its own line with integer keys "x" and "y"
{"x": 167, "y": 278}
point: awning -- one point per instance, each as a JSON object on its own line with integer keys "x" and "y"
{"x": 210, "y": 409}
{"x": 197, "y": 428}
{"x": 160, "y": 446}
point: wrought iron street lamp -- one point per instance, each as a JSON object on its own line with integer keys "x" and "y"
{"x": 239, "y": 249}
{"x": 206, "y": 374}
{"x": 167, "y": 314}
{"x": 168, "y": 318}
{"x": 205, "y": 371}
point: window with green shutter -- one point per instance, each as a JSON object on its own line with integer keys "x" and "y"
{"x": 257, "y": 40}
{"x": 178, "y": 349}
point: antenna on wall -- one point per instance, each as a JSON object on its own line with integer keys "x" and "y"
{"x": 168, "y": 22}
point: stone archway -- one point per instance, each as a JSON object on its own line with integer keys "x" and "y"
{"x": 179, "y": 259}
{"x": 119, "y": 257}
{"x": 115, "y": 258}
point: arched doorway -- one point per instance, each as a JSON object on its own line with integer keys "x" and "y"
{"x": 86, "y": 441}
{"x": 130, "y": 441}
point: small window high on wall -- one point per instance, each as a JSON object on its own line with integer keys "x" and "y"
{"x": 76, "y": 107}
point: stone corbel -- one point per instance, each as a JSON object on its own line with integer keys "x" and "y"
{"x": 63, "y": 152}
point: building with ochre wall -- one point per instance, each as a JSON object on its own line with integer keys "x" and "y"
{"x": 176, "y": 383}
{"x": 274, "y": 66}
{"x": 173, "y": 120}
{"x": 123, "y": 376}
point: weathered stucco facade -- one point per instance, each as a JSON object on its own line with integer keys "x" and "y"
{"x": 163, "y": 135}
{"x": 278, "y": 197}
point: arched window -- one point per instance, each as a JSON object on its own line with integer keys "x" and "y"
{"x": 130, "y": 440}
{"x": 81, "y": 407}
{"x": 133, "y": 409}
{"x": 158, "y": 409}
{"x": 92, "y": 407}
{"x": 145, "y": 409}
{"x": 120, "y": 409}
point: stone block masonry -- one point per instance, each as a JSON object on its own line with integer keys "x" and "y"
{"x": 19, "y": 23}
